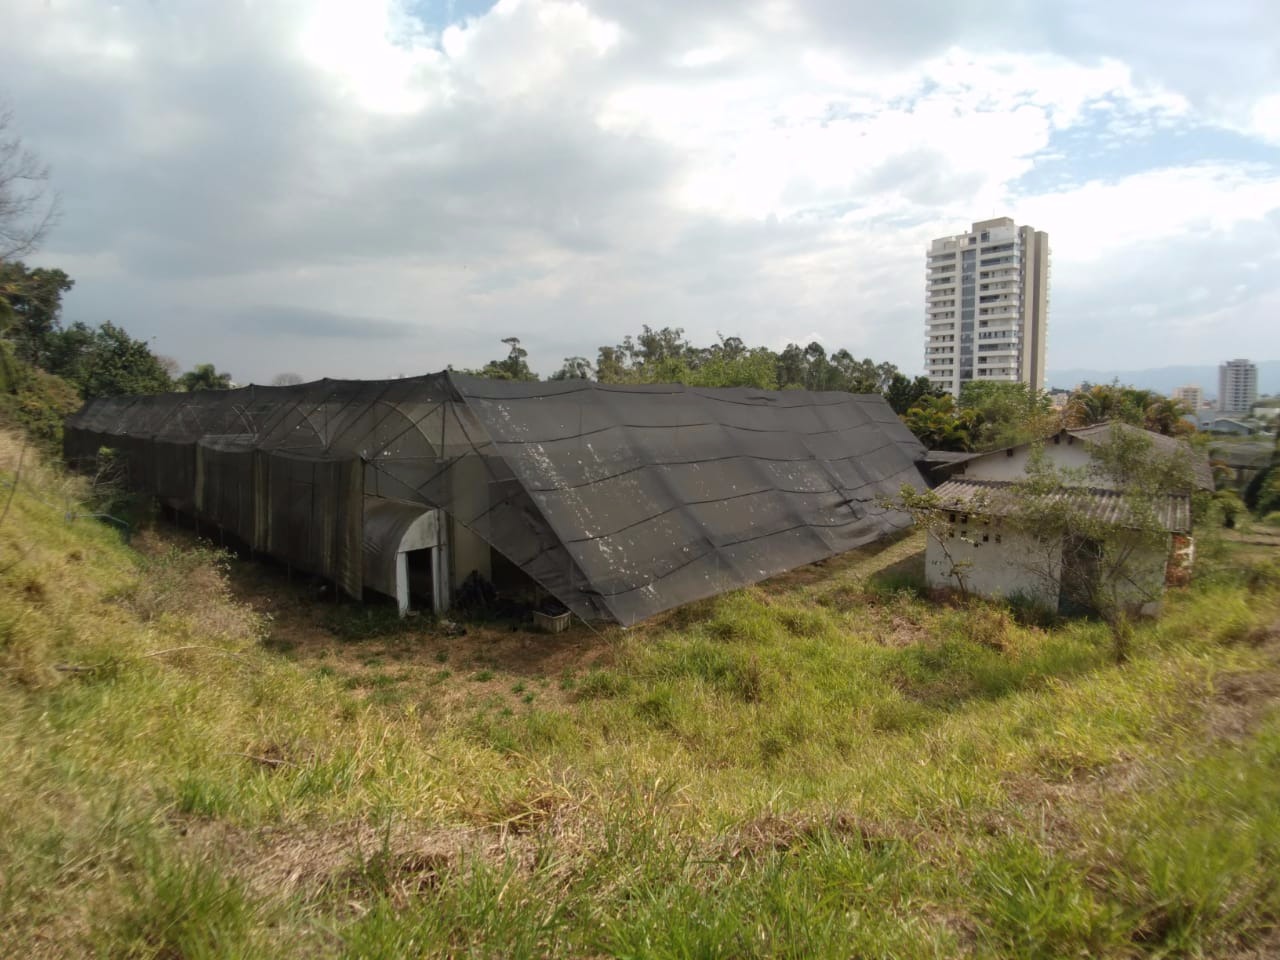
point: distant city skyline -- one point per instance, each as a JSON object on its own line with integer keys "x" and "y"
{"x": 361, "y": 188}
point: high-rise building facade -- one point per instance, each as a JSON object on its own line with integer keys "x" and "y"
{"x": 987, "y": 305}
{"x": 1237, "y": 386}
{"x": 1191, "y": 395}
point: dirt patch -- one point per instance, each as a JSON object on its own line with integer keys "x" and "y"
{"x": 1241, "y": 700}
{"x": 903, "y": 632}
{"x": 381, "y": 658}
{"x": 344, "y": 861}
{"x": 771, "y": 833}
{"x": 1264, "y": 637}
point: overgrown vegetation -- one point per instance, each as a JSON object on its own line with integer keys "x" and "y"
{"x": 826, "y": 765}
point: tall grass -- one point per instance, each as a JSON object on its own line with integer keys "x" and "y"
{"x": 830, "y": 768}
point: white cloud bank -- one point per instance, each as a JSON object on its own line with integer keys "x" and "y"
{"x": 566, "y": 171}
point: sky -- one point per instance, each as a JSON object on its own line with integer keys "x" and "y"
{"x": 374, "y": 188}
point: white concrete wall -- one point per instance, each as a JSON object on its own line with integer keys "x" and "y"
{"x": 993, "y": 561}
{"x": 1012, "y": 464}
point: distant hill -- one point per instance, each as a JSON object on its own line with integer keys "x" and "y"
{"x": 1165, "y": 379}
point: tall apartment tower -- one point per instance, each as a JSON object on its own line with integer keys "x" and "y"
{"x": 1191, "y": 395}
{"x": 1237, "y": 386}
{"x": 987, "y": 305}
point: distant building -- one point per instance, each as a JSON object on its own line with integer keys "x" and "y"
{"x": 1237, "y": 386}
{"x": 1190, "y": 395}
{"x": 987, "y": 296}
{"x": 1237, "y": 428}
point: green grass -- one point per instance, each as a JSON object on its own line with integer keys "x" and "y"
{"x": 834, "y": 767}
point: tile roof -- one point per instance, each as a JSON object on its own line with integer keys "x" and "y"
{"x": 1000, "y": 498}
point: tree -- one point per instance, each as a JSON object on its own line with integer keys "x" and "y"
{"x": 903, "y": 394}
{"x": 1096, "y": 404}
{"x": 34, "y": 302}
{"x": 1011, "y": 413}
{"x": 286, "y": 380}
{"x": 28, "y": 209}
{"x": 1230, "y": 506}
{"x": 1144, "y": 408}
{"x": 939, "y": 425}
{"x": 734, "y": 367}
{"x": 512, "y": 367}
{"x": 791, "y": 367}
{"x": 203, "y": 376}
{"x": 666, "y": 356}
{"x": 574, "y": 368}
{"x": 1167, "y": 416}
{"x": 610, "y": 366}
{"x": 106, "y": 362}
{"x": 1105, "y": 561}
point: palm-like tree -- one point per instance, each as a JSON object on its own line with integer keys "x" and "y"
{"x": 1167, "y": 416}
{"x": 1087, "y": 407}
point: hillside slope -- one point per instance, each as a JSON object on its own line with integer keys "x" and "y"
{"x": 203, "y": 761}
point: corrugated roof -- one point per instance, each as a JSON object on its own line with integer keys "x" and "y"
{"x": 1001, "y": 498}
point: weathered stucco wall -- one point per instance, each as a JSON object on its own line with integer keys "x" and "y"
{"x": 992, "y": 561}
{"x": 1012, "y": 464}
{"x": 989, "y": 560}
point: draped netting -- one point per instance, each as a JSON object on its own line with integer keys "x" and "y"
{"x": 620, "y": 500}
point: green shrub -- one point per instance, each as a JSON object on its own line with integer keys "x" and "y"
{"x": 35, "y": 401}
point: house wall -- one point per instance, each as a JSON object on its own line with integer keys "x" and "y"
{"x": 1012, "y": 464}
{"x": 993, "y": 561}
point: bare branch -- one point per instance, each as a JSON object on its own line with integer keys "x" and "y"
{"x": 28, "y": 208}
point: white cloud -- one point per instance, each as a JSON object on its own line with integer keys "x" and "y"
{"x": 790, "y": 135}
{"x": 1135, "y": 215}
{"x": 524, "y": 47}
{"x": 377, "y": 54}
{"x": 567, "y": 171}
{"x": 1265, "y": 119}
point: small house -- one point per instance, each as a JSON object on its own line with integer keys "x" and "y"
{"x": 983, "y": 546}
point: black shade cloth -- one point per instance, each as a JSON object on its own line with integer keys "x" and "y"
{"x": 622, "y": 501}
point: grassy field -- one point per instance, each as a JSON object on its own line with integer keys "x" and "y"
{"x": 201, "y": 760}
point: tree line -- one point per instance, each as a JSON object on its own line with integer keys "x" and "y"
{"x": 668, "y": 356}
{"x": 987, "y": 415}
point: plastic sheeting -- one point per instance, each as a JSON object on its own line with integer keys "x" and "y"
{"x": 621, "y": 501}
